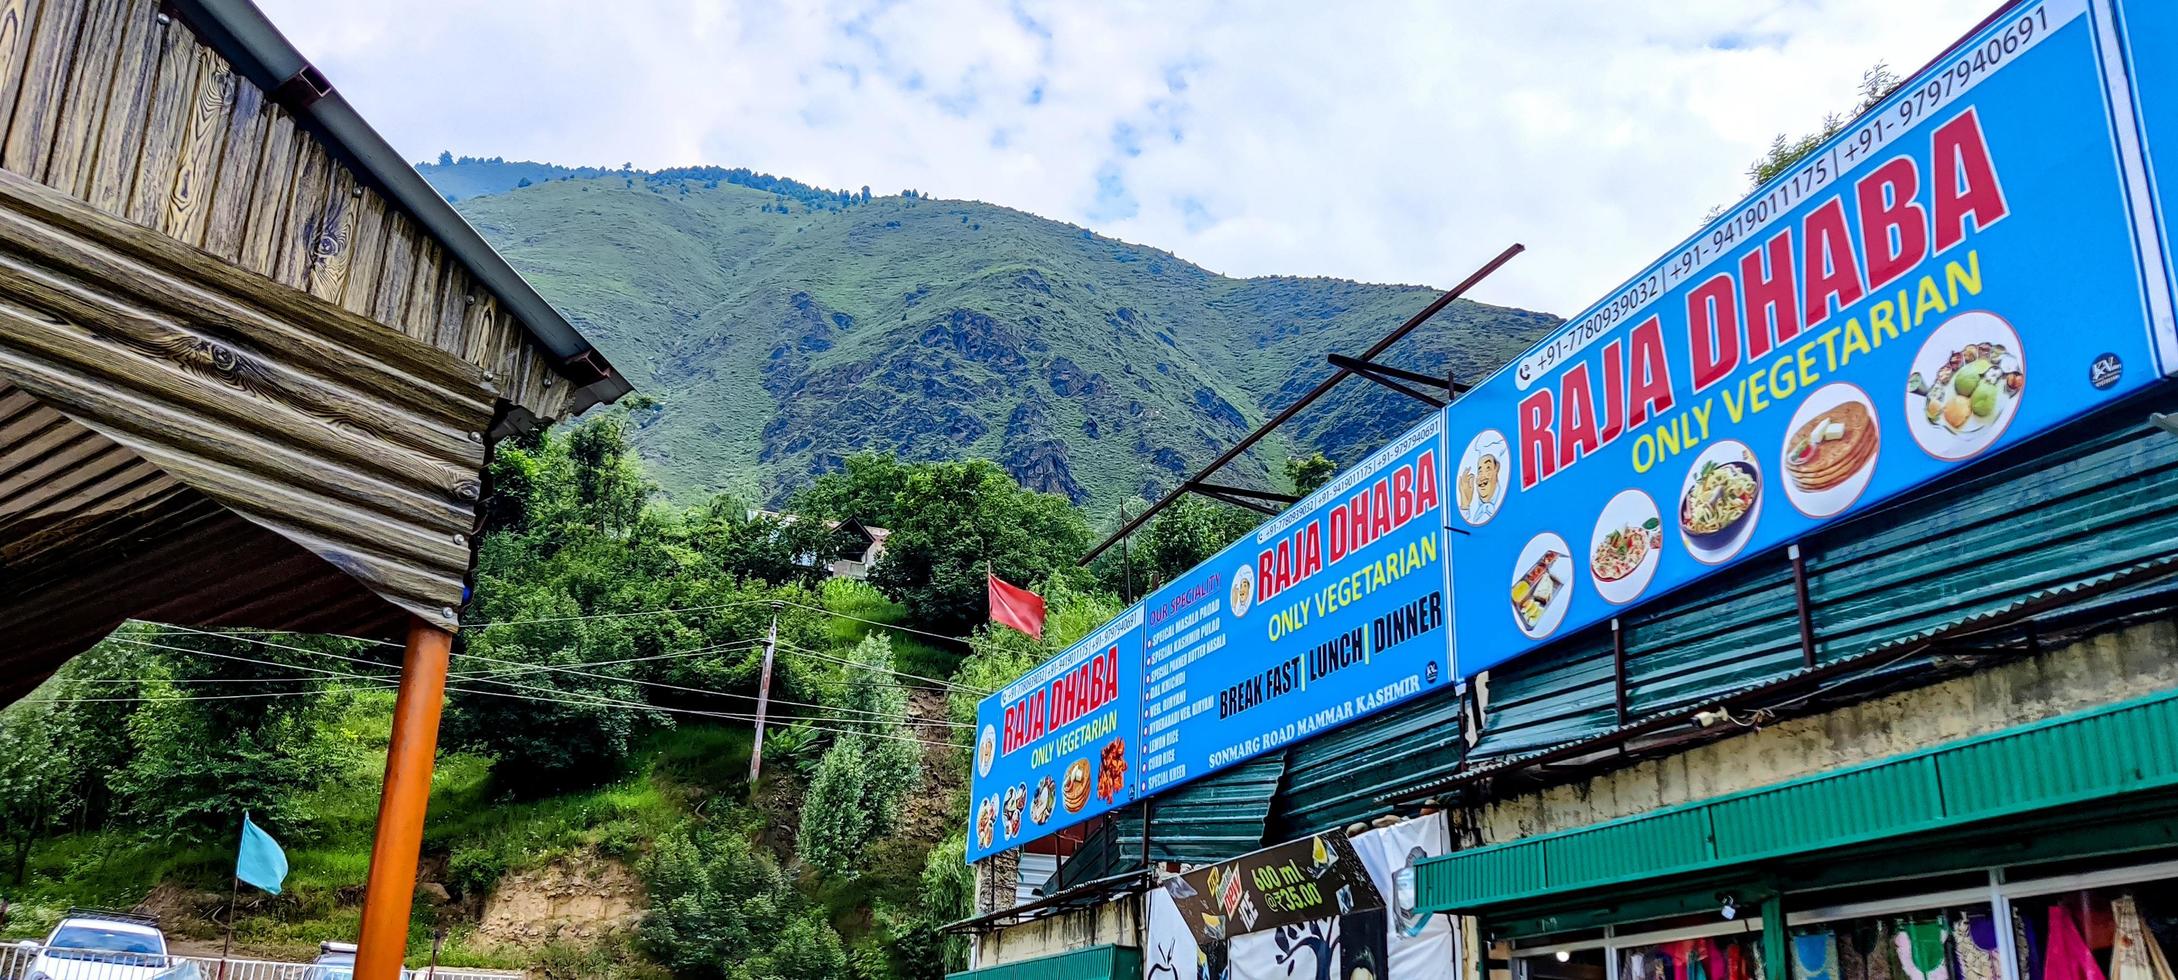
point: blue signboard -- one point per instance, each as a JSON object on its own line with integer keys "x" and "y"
{"x": 1952, "y": 274}
{"x": 1332, "y": 610}
{"x": 1056, "y": 747}
{"x": 2148, "y": 28}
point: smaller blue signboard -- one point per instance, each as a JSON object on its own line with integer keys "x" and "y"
{"x": 1332, "y": 610}
{"x": 1055, "y": 747}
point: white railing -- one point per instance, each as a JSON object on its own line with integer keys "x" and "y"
{"x": 18, "y": 962}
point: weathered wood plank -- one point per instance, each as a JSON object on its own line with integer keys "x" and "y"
{"x": 65, "y": 233}
{"x": 121, "y": 138}
{"x": 166, "y": 118}
{"x": 331, "y": 235}
{"x": 420, "y": 309}
{"x": 45, "y": 71}
{"x": 18, "y": 22}
{"x": 251, "y": 475}
{"x": 397, "y": 271}
{"x": 247, "y": 121}
{"x": 88, "y": 95}
{"x": 189, "y": 196}
{"x": 236, "y": 369}
{"x": 480, "y": 326}
{"x": 455, "y": 296}
{"x": 269, "y": 195}
{"x": 306, "y": 198}
{"x": 365, "y": 251}
{"x": 226, "y": 395}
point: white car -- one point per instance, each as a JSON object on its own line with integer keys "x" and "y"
{"x": 101, "y": 946}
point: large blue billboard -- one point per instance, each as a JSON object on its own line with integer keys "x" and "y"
{"x": 1952, "y": 274}
{"x": 1979, "y": 259}
{"x": 1332, "y": 610}
{"x": 1055, "y": 747}
{"x": 2148, "y": 28}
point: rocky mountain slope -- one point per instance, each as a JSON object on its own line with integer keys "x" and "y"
{"x": 782, "y": 326}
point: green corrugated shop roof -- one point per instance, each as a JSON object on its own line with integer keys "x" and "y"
{"x": 1093, "y": 963}
{"x": 2120, "y": 749}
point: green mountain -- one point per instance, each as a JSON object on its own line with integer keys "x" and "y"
{"x": 782, "y": 326}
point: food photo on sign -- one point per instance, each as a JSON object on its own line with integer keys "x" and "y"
{"x": 1862, "y": 326}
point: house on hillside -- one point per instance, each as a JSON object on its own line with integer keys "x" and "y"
{"x": 857, "y": 546}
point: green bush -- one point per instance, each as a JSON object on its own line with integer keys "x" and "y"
{"x": 722, "y": 909}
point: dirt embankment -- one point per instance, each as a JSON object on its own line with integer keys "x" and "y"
{"x": 577, "y": 899}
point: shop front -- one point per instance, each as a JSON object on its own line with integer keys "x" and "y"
{"x": 2043, "y": 852}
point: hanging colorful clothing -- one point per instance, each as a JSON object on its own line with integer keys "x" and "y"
{"x": 1974, "y": 940}
{"x": 1815, "y": 957}
{"x": 2067, "y": 957}
{"x": 1921, "y": 951}
{"x": 2134, "y": 953}
{"x": 2027, "y": 943}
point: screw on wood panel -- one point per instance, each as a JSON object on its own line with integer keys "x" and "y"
{"x": 447, "y": 612}
{"x": 468, "y": 300}
{"x": 476, "y": 437}
{"x": 164, "y": 20}
{"x": 358, "y": 192}
{"x": 460, "y": 538}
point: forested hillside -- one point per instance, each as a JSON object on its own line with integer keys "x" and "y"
{"x": 782, "y": 327}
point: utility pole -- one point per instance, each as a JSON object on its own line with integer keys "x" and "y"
{"x": 1126, "y": 568}
{"x": 763, "y": 700}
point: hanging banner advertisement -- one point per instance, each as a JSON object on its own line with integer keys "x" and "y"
{"x": 1169, "y": 950}
{"x": 1954, "y": 273}
{"x": 1295, "y": 882}
{"x": 1053, "y": 748}
{"x": 2147, "y": 28}
{"x": 1418, "y": 946}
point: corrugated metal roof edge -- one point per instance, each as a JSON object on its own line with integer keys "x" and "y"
{"x": 254, "y": 46}
{"x": 2138, "y": 574}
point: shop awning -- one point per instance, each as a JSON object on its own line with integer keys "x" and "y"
{"x": 2127, "y": 748}
{"x": 1092, "y": 963}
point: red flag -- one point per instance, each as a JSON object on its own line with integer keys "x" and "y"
{"x": 1017, "y": 607}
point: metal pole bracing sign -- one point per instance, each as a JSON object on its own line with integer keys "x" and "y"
{"x": 1055, "y": 747}
{"x": 1955, "y": 272}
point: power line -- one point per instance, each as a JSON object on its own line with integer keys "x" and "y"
{"x": 559, "y": 697}
{"x": 626, "y": 615}
{"x": 962, "y": 640}
{"x": 527, "y": 687}
{"x": 700, "y": 690}
{"x": 940, "y": 685}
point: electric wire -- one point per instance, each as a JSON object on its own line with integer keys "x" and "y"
{"x": 871, "y": 715}
{"x": 930, "y": 681}
{"x": 559, "y": 697}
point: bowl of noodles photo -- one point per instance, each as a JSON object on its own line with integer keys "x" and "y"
{"x": 1719, "y": 504}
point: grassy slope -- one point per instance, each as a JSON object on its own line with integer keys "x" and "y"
{"x": 476, "y": 835}
{"x": 780, "y": 337}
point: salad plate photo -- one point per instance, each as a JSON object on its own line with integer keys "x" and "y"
{"x": 1965, "y": 385}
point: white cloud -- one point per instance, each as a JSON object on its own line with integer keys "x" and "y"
{"x": 1396, "y": 141}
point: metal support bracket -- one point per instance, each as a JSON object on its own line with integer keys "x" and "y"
{"x": 1399, "y": 379}
{"x": 1284, "y": 498}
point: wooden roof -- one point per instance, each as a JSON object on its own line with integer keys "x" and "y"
{"x": 242, "y": 380}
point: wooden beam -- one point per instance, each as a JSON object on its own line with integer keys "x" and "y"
{"x": 391, "y": 892}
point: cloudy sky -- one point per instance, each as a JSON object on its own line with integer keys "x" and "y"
{"x": 1390, "y": 142}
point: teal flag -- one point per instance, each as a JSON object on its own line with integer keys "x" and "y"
{"x": 260, "y": 861}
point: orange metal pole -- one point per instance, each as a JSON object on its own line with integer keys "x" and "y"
{"x": 391, "y": 892}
